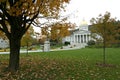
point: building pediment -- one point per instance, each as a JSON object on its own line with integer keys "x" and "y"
{"x": 81, "y": 32}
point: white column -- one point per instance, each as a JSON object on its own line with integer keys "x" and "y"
{"x": 80, "y": 38}
{"x": 74, "y": 39}
{"x": 86, "y": 38}
{"x": 83, "y": 38}
{"x": 77, "y": 38}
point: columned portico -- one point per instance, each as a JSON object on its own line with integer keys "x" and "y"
{"x": 81, "y": 38}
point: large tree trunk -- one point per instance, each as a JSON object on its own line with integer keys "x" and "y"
{"x": 14, "y": 54}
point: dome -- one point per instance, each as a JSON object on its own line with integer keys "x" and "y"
{"x": 83, "y": 22}
{"x": 83, "y": 25}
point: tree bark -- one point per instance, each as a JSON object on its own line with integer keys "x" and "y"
{"x": 14, "y": 54}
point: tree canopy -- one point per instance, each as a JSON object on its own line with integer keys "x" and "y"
{"x": 60, "y": 30}
{"x": 105, "y": 27}
{"x": 27, "y": 37}
{"x": 57, "y": 31}
{"x": 16, "y": 16}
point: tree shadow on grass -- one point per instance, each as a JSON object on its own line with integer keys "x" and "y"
{"x": 100, "y": 64}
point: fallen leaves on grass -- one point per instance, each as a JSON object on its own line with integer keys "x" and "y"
{"x": 37, "y": 68}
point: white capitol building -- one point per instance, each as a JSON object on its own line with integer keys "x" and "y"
{"x": 80, "y": 36}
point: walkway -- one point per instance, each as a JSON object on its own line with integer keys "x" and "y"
{"x": 30, "y": 51}
{"x": 22, "y": 51}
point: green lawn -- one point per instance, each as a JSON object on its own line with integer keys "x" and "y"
{"x": 65, "y": 65}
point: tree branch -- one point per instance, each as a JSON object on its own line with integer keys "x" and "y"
{"x": 1, "y": 29}
{"x": 29, "y": 21}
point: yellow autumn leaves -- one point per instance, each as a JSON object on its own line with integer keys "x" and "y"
{"x": 29, "y": 8}
{"x": 57, "y": 31}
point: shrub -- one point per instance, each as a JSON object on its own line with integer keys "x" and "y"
{"x": 53, "y": 43}
{"x": 67, "y": 43}
{"x": 91, "y": 42}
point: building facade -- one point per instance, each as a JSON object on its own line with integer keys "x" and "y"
{"x": 80, "y": 36}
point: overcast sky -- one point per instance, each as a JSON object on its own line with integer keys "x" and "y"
{"x": 86, "y": 9}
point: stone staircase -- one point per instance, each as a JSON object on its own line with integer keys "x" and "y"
{"x": 80, "y": 45}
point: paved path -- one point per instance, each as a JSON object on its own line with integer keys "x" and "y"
{"x": 22, "y": 51}
{"x": 30, "y": 51}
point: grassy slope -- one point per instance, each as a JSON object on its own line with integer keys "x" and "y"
{"x": 65, "y": 65}
{"x": 92, "y": 55}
